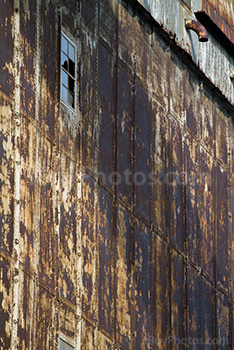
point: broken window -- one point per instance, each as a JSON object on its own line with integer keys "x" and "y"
{"x": 68, "y": 69}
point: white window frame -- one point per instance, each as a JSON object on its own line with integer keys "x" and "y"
{"x": 67, "y": 340}
{"x": 73, "y": 110}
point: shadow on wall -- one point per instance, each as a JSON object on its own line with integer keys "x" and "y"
{"x": 146, "y": 97}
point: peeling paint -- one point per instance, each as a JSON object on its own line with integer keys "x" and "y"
{"x": 109, "y": 264}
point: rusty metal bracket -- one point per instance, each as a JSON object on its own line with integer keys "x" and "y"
{"x": 198, "y": 28}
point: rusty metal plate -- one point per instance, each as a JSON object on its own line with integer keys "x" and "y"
{"x": 193, "y": 285}
{"x": 107, "y": 20}
{"x": 175, "y": 186}
{"x": 88, "y": 336}
{"x": 106, "y": 97}
{"x": 142, "y": 152}
{"x": 160, "y": 199}
{"x": 27, "y": 209}
{"x": 222, "y": 265}
{"x": 46, "y": 235}
{"x": 192, "y": 223}
{"x": 159, "y": 70}
{"x": 88, "y": 246}
{"x": 191, "y": 184}
{"x": 176, "y": 148}
{"x": 67, "y": 321}
{"x": 231, "y": 159}
{"x": 126, "y": 301}
{"x": 232, "y": 241}
{"x": 6, "y": 38}
{"x": 88, "y": 101}
{"x": 44, "y": 321}
{"x": 222, "y": 137}
{"x": 123, "y": 273}
{"x": 25, "y": 311}
{"x": 191, "y": 165}
{"x": 175, "y": 214}
{"x": 160, "y": 135}
{"x": 69, "y": 136}
{"x": 5, "y": 304}
{"x": 28, "y": 45}
{"x": 207, "y": 314}
{"x": 232, "y": 325}
{"x": 222, "y": 322}
{"x": 159, "y": 175}
{"x": 88, "y": 14}
{"x": 142, "y": 286}
{"x": 7, "y": 177}
{"x": 159, "y": 291}
{"x": 105, "y": 261}
{"x": 177, "y": 300}
{"x": 49, "y": 67}
{"x": 206, "y": 211}
{"x": 175, "y": 82}
{"x": 67, "y": 230}
{"x": 103, "y": 342}
{"x": 191, "y": 102}
{"x": 126, "y": 33}
{"x": 142, "y": 51}
{"x": 207, "y": 119}
{"x": 125, "y": 110}
{"x": 46, "y": 251}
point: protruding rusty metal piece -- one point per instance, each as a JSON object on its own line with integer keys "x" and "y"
{"x": 198, "y": 28}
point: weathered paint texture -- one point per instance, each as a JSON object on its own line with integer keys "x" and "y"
{"x": 117, "y": 217}
{"x": 217, "y": 18}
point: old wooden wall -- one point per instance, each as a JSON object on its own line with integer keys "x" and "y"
{"x": 116, "y": 221}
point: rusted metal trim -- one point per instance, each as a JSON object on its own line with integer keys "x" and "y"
{"x": 187, "y": 3}
{"x": 198, "y": 28}
{"x": 225, "y": 40}
{"x": 17, "y": 59}
{"x": 223, "y": 23}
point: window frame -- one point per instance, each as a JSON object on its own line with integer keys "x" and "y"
{"x": 66, "y": 104}
{"x": 186, "y": 4}
{"x": 67, "y": 340}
